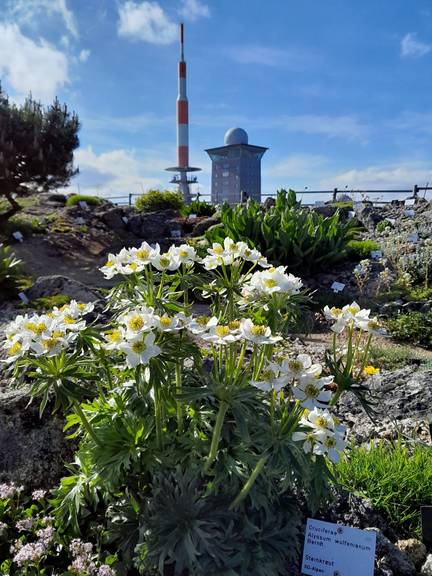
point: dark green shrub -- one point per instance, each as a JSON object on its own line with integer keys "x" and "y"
{"x": 414, "y": 327}
{"x": 90, "y": 200}
{"x": 287, "y": 233}
{"x": 10, "y": 272}
{"x": 199, "y": 208}
{"x": 361, "y": 249}
{"x": 155, "y": 200}
{"x": 395, "y": 477}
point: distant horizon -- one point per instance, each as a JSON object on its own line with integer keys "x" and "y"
{"x": 339, "y": 92}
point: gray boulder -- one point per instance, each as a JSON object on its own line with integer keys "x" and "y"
{"x": 391, "y": 560}
{"x": 32, "y": 449}
{"x": 152, "y": 225}
{"x": 203, "y": 225}
{"x": 427, "y": 566}
{"x": 52, "y": 285}
{"x": 369, "y": 216}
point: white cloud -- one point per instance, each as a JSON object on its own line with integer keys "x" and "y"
{"x": 194, "y": 9}
{"x": 414, "y": 122}
{"x": 297, "y": 166}
{"x": 31, "y": 66}
{"x": 267, "y": 56}
{"x": 413, "y": 48}
{"x": 401, "y": 175}
{"x": 146, "y": 21}
{"x": 25, "y": 12}
{"x": 118, "y": 172}
{"x": 84, "y": 55}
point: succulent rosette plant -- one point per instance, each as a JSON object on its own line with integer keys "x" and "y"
{"x": 197, "y": 433}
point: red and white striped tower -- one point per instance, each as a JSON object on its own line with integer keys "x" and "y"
{"x": 183, "y": 167}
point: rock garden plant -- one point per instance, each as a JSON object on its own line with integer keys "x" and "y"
{"x": 198, "y": 435}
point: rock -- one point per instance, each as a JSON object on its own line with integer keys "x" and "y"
{"x": 427, "y": 566}
{"x": 269, "y": 203}
{"x": 52, "y": 285}
{"x": 369, "y": 216}
{"x": 32, "y": 449}
{"x": 151, "y": 225}
{"x": 403, "y": 397}
{"x": 52, "y": 198}
{"x": 112, "y": 216}
{"x": 326, "y": 211}
{"x": 391, "y": 557}
{"x": 414, "y": 549}
{"x": 412, "y": 306}
{"x": 204, "y": 224}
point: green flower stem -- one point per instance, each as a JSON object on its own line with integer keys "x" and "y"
{"x": 159, "y": 294}
{"x": 223, "y": 407}
{"x": 240, "y": 360}
{"x": 158, "y": 417}
{"x": 246, "y": 488}
{"x": 178, "y": 383}
{"x": 365, "y": 355}
{"x": 86, "y": 423}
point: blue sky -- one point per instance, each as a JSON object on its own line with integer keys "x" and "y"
{"x": 340, "y": 91}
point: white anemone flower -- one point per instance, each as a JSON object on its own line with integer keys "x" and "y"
{"x": 138, "y": 320}
{"x": 114, "y": 338}
{"x": 167, "y": 323}
{"x": 311, "y": 393}
{"x": 111, "y": 267}
{"x": 371, "y": 325}
{"x": 330, "y": 445}
{"x": 270, "y": 281}
{"x": 15, "y": 348}
{"x": 319, "y": 419}
{"x": 200, "y": 324}
{"x": 144, "y": 254}
{"x": 256, "y": 333}
{"x": 221, "y": 334}
{"x": 301, "y": 367}
{"x": 271, "y": 379}
{"x": 166, "y": 262}
{"x": 140, "y": 350}
{"x": 309, "y": 439}
{"x": 185, "y": 254}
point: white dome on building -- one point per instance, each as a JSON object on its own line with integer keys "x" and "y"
{"x": 235, "y": 136}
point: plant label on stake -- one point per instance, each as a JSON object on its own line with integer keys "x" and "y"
{"x": 23, "y": 297}
{"x": 18, "y": 236}
{"x": 192, "y": 217}
{"x": 337, "y": 287}
{"x": 125, "y": 219}
{"x": 376, "y": 254}
{"x": 410, "y": 202}
{"x": 336, "y": 550}
{"x": 83, "y": 204}
{"x": 413, "y": 238}
{"x": 175, "y": 234}
{"x": 80, "y": 221}
{"x": 351, "y": 214}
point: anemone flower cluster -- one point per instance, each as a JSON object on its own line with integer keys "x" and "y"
{"x": 323, "y": 434}
{"x": 134, "y": 260}
{"x": 45, "y": 334}
{"x": 352, "y": 316}
{"x": 271, "y": 281}
{"x": 231, "y": 253}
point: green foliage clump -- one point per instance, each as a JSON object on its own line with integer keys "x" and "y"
{"x": 413, "y": 327}
{"x": 47, "y": 302}
{"x": 286, "y": 233}
{"x": 10, "y": 272}
{"x": 361, "y": 249}
{"x": 199, "y": 208}
{"x": 383, "y": 225}
{"x": 392, "y": 356}
{"x": 155, "y": 200}
{"x": 90, "y": 200}
{"x": 395, "y": 477}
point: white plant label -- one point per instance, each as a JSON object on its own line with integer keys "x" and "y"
{"x": 391, "y": 220}
{"x": 351, "y": 214}
{"x": 376, "y": 254}
{"x": 125, "y": 219}
{"x": 23, "y": 297}
{"x": 192, "y": 216}
{"x": 409, "y": 213}
{"x": 332, "y": 549}
{"x": 337, "y": 286}
{"x": 83, "y": 204}
{"x": 175, "y": 234}
{"x": 410, "y": 202}
{"x": 413, "y": 238}
{"x": 18, "y": 236}
{"x": 80, "y": 221}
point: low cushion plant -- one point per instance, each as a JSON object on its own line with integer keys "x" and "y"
{"x": 74, "y": 199}
{"x": 414, "y": 327}
{"x": 361, "y": 249}
{"x": 155, "y": 200}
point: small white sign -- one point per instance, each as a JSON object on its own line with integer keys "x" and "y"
{"x": 413, "y": 238}
{"x": 192, "y": 216}
{"x": 337, "y": 286}
{"x": 333, "y": 549}
{"x": 175, "y": 234}
{"x": 351, "y": 214}
{"x": 410, "y": 202}
{"x": 125, "y": 219}
{"x": 409, "y": 213}
{"x": 376, "y": 254}
{"x": 18, "y": 236}
{"x": 83, "y": 204}
{"x": 23, "y": 297}
{"x": 357, "y": 205}
{"x": 80, "y": 221}
{"x": 391, "y": 220}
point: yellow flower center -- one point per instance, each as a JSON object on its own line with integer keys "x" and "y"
{"x": 183, "y": 253}
{"x": 57, "y": 334}
{"x": 258, "y": 330}
{"x": 110, "y": 263}
{"x": 31, "y": 326}
{"x": 50, "y": 343}
{"x": 202, "y": 320}
{"x": 81, "y": 306}
{"x": 268, "y": 375}
{"x": 218, "y": 249}
{"x": 295, "y": 365}
{"x": 353, "y": 309}
{"x": 15, "y": 349}
{"x": 164, "y": 261}
{"x": 136, "y": 323}
{"x": 373, "y": 325}
{"x": 68, "y": 319}
{"x": 311, "y": 391}
{"x": 234, "y": 325}
{"x": 330, "y": 442}
{"x": 270, "y": 283}
{"x": 272, "y": 269}
{"x": 138, "y": 347}
{"x": 41, "y": 327}
{"x": 114, "y": 336}
{"x": 133, "y": 266}
{"x": 222, "y": 331}
{"x": 321, "y": 422}
{"x": 336, "y": 311}
{"x": 142, "y": 254}
{"x": 165, "y": 321}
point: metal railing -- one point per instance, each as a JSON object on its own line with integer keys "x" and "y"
{"x": 414, "y": 192}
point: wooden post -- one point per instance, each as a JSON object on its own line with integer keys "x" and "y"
{"x": 415, "y": 191}
{"x": 335, "y": 191}
{"x": 130, "y": 199}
